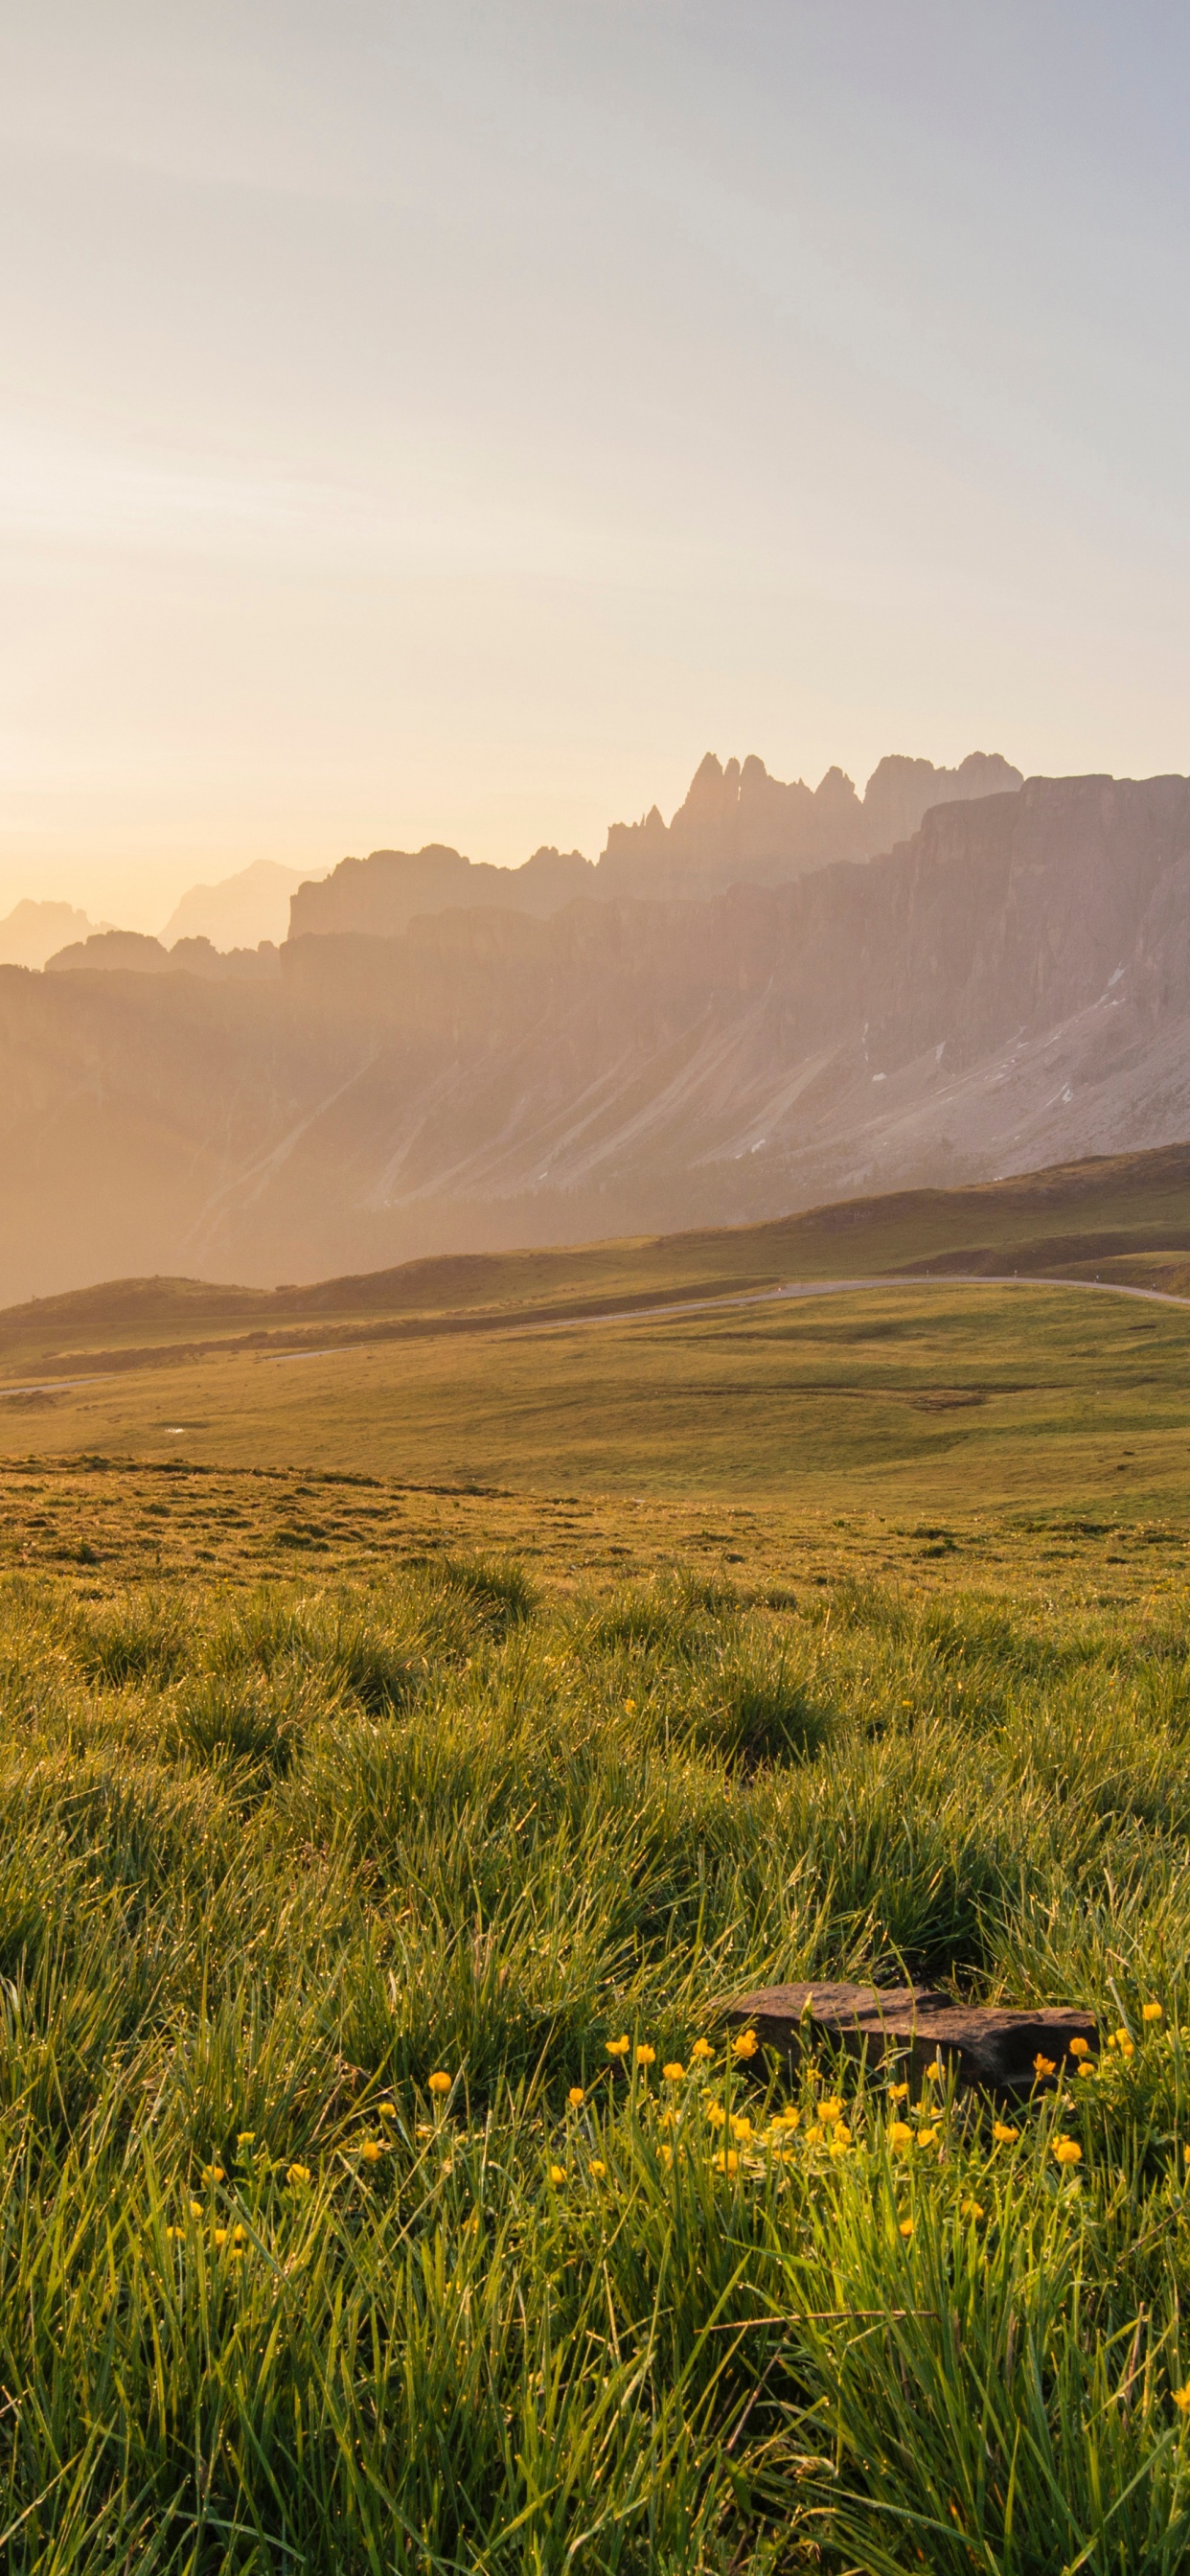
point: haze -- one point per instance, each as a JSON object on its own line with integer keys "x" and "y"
{"x": 443, "y": 422}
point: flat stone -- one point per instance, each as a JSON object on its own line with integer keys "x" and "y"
{"x": 987, "y": 2045}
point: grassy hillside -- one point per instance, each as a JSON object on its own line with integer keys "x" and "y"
{"x": 281, "y": 1849}
{"x": 943, "y": 1398}
{"x": 1072, "y": 1218}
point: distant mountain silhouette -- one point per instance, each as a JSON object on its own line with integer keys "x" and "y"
{"x": 240, "y": 910}
{"x": 132, "y": 952}
{"x": 382, "y": 894}
{"x": 737, "y": 826}
{"x": 32, "y": 931}
{"x": 1007, "y": 988}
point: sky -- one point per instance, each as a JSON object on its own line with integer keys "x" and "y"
{"x": 449, "y": 421}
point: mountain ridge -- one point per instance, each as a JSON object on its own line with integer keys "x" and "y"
{"x": 735, "y": 824}
{"x": 1008, "y": 988}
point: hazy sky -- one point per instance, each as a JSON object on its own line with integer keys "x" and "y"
{"x": 448, "y": 421}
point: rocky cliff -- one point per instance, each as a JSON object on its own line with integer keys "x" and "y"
{"x": 380, "y": 895}
{"x": 739, "y": 826}
{"x": 1007, "y": 988}
{"x": 736, "y": 826}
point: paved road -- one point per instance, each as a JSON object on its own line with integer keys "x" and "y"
{"x": 687, "y": 1306}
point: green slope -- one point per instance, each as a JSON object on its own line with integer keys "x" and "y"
{"x": 1075, "y": 1219}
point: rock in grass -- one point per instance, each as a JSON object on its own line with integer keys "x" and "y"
{"x": 986, "y": 2045}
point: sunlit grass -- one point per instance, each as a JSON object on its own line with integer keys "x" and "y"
{"x": 379, "y": 2190}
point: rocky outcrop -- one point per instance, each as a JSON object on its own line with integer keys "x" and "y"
{"x": 995, "y": 2048}
{"x": 739, "y": 826}
{"x": 900, "y": 793}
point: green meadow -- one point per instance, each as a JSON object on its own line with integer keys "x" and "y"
{"x": 944, "y": 1397}
{"x": 405, "y": 1747}
{"x": 349, "y": 1925}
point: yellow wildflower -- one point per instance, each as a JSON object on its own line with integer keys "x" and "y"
{"x": 387, "y": 2110}
{"x": 1151, "y": 2012}
{"x": 646, "y": 2056}
{"x": 618, "y": 2047}
{"x": 440, "y": 2082}
{"x": 842, "y": 2137}
{"x": 196, "y": 2207}
{"x": 297, "y": 2173}
{"x": 926, "y": 2137}
{"x": 174, "y": 2232}
{"x": 702, "y": 2048}
{"x": 213, "y": 2173}
{"x": 597, "y": 2167}
{"x": 674, "y": 2073}
{"x": 830, "y": 2110}
{"x": 745, "y": 2044}
{"x": 218, "y": 2236}
{"x": 1080, "y": 2048}
{"x": 814, "y": 2135}
{"x": 727, "y": 2161}
{"x": 630, "y": 1708}
{"x": 900, "y": 2135}
{"x": 1068, "y": 2151}
{"x": 557, "y": 2173}
{"x": 666, "y": 2154}
{"x": 575, "y": 2096}
{"x": 422, "y": 2131}
{"x": 1181, "y": 2398}
{"x": 906, "y": 2227}
{"x": 716, "y": 2114}
{"x": 936, "y": 2072}
{"x": 740, "y": 2129}
{"x": 898, "y": 2092}
{"x": 372, "y": 2150}
{"x": 1086, "y": 2066}
{"x": 1043, "y": 2065}
{"x": 972, "y": 2209}
{"x": 239, "y": 2233}
{"x": 790, "y": 2118}
{"x": 246, "y": 2138}
{"x": 1003, "y": 2134}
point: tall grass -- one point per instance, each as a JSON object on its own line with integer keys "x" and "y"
{"x": 270, "y": 2301}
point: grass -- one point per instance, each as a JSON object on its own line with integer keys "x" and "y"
{"x": 288, "y": 1833}
{"x": 1124, "y": 1216}
{"x": 938, "y": 1400}
{"x": 487, "y": 1706}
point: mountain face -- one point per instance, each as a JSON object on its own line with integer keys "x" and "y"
{"x": 736, "y": 826}
{"x": 1010, "y": 987}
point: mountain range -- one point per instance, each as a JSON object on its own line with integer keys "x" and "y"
{"x": 736, "y": 825}
{"x": 1007, "y": 986}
